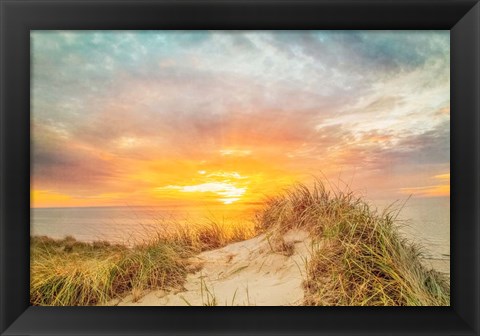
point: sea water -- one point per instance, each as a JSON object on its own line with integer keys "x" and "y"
{"x": 426, "y": 221}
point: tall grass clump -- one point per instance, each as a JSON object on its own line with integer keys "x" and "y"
{"x": 70, "y": 273}
{"x": 359, "y": 257}
{"x": 209, "y": 235}
{"x": 67, "y": 272}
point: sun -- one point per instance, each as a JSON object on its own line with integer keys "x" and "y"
{"x": 228, "y": 200}
{"x": 228, "y": 187}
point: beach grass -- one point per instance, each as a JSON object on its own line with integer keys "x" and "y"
{"x": 359, "y": 257}
{"x": 67, "y": 272}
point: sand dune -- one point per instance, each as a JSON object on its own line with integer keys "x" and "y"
{"x": 253, "y": 272}
{"x": 243, "y": 273}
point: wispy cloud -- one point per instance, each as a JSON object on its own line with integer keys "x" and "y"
{"x": 437, "y": 190}
{"x": 124, "y": 113}
{"x": 227, "y": 192}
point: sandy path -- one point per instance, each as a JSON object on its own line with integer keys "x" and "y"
{"x": 243, "y": 273}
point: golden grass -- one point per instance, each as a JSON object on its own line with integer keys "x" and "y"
{"x": 359, "y": 258}
{"x": 65, "y": 273}
{"x": 208, "y": 236}
{"x": 70, "y": 273}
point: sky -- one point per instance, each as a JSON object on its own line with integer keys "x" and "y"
{"x": 211, "y": 117}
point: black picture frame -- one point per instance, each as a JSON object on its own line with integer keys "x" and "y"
{"x": 18, "y": 17}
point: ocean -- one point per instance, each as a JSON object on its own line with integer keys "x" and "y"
{"x": 128, "y": 225}
{"x": 426, "y": 221}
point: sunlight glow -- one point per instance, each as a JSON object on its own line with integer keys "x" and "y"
{"x": 235, "y": 152}
{"x": 164, "y": 119}
{"x": 228, "y": 192}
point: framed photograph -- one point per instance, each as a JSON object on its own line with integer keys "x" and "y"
{"x": 240, "y": 167}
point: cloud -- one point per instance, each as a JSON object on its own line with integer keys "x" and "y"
{"x": 235, "y": 152}
{"x": 108, "y": 106}
{"x": 226, "y": 192}
{"x": 438, "y": 190}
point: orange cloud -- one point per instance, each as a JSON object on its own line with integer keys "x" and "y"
{"x": 432, "y": 190}
{"x": 235, "y": 126}
{"x": 443, "y": 176}
{"x": 45, "y": 198}
{"x": 428, "y": 191}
